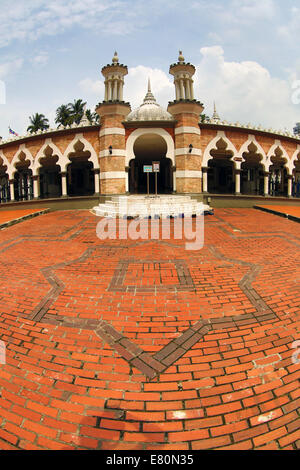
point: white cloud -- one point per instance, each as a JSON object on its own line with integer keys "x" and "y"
{"x": 33, "y": 19}
{"x": 10, "y": 67}
{"x": 244, "y": 91}
{"x": 94, "y": 89}
{"x": 136, "y": 84}
{"x": 40, "y": 59}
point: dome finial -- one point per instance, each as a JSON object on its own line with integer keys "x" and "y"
{"x": 149, "y": 98}
{"x": 180, "y": 58}
{"x": 115, "y": 59}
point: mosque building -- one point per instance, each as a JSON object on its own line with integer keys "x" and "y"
{"x": 207, "y": 158}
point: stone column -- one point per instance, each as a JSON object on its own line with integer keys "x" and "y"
{"x": 192, "y": 89}
{"x": 36, "y": 187}
{"x": 174, "y": 178}
{"x": 204, "y": 179}
{"x": 127, "y": 170}
{"x": 97, "y": 180}
{"x": 181, "y": 88}
{"x": 106, "y": 91}
{"x": 266, "y": 183}
{"x": 121, "y": 90}
{"x": 64, "y": 183}
{"x": 177, "y": 91}
{"x": 237, "y": 181}
{"x": 290, "y": 181}
{"x": 12, "y": 189}
{"x": 109, "y": 90}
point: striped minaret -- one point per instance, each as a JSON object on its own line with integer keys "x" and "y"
{"x": 186, "y": 110}
{"x": 112, "y": 112}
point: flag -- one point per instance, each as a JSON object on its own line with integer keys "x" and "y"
{"x": 11, "y": 131}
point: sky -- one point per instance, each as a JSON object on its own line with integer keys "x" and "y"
{"x": 246, "y": 54}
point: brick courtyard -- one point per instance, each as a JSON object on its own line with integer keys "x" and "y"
{"x": 123, "y": 344}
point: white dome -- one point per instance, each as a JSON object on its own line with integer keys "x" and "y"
{"x": 149, "y": 110}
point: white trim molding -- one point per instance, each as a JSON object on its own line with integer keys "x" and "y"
{"x": 186, "y": 151}
{"x": 187, "y": 130}
{"x": 110, "y": 175}
{"x": 111, "y": 130}
{"x": 188, "y": 174}
{"x": 115, "y": 153}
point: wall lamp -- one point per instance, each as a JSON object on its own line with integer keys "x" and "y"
{"x": 110, "y": 150}
{"x": 190, "y": 148}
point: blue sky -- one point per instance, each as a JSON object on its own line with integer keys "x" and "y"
{"x": 246, "y": 53}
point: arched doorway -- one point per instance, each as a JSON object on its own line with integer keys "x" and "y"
{"x": 23, "y": 183}
{"x": 80, "y": 176}
{"x": 220, "y": 174}
{"x": 4, "y": 183}
{"x": 50, "y": 177}
{"x": 296, "y": 178}
{"x": 147, "y": 149}
{"x": 278, "y": 181}
{"x": 252, "y": 175}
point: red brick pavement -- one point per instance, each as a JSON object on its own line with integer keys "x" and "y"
{"x": 122, "y": 344}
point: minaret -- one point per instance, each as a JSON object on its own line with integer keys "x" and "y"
{"x": 183, "y": 81}
{"x": 186, "y": 111}
{"x": 114, "y": 79}
{"x": 112, "y": 112}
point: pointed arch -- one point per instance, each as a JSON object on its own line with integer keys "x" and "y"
{"x": 271, "y": 153}
{"x": 6, "y": 163}
{"x": 41, "y": 154}
{"x": 245, "y": 147}
{"x": 295, "y": 158}
{"x": 87, "y": 147}
{"x": 22, "y": 149}
{"x": 213, "y": 146}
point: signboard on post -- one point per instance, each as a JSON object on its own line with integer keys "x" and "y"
{"x": 155, "y": 166}
{"x": 148, "y": 169}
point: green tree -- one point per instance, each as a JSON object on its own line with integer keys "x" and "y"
{"x": 204, "y": 117}
{"x": 38, "y": 122}
{"x": 92, "y": 117}
{"x": 63, "y": 115}
{"x": 77, "y": 110}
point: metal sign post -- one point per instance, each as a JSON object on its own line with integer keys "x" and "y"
{"x": 155, "y": 166}
{"x": 147, "y": 169}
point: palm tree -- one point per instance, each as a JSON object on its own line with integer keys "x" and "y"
{"x": 204, "y": 117}
{"x": 63, "y": 115}
{"x": 38, "y": 122}
{"x": 92, "y": 117}
{"x": 77, "y": 110}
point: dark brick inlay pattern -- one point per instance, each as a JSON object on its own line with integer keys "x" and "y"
{"x": 185, "y": 279}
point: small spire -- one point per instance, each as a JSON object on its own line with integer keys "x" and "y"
{"x": 115, "y": 59}
{"x": 180, "y": 58}
{"x": 149, "y": 98}
{"x": 84, "y": 120}
{"x": 215, "y": 116}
